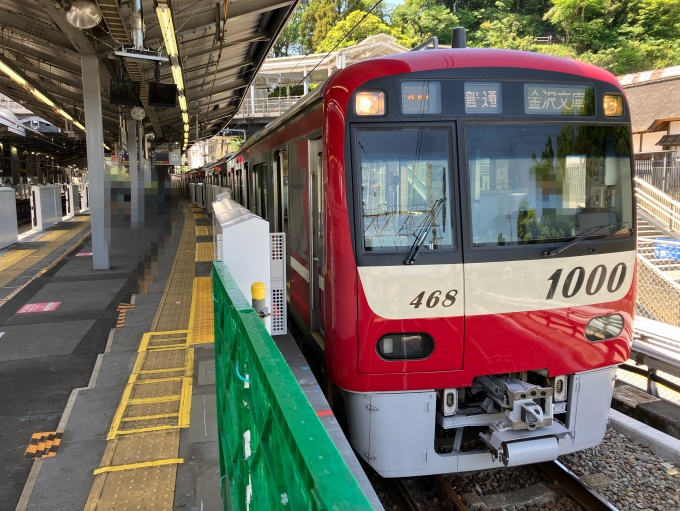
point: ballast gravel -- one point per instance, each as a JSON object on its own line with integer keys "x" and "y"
{"x": 626, "y": 473}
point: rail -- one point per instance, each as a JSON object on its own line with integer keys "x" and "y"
{"x": 266, "y": 107}
{"x": 274, "y": 451}
{"x": 658, "y": 204}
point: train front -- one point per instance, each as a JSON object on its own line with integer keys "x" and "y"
{"x": 481, "y": 256}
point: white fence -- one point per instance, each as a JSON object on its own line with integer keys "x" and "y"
{"x": 266, "y": 107}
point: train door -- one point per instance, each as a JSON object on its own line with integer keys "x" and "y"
{"x": 316, "y": 280}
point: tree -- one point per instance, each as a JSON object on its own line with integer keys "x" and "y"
{"x": 289, "y": 42}
{"x": 371, "y": 25}
{"x": 419, "y": 20}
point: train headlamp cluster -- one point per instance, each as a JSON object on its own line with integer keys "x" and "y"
{"x": 164, "y": 15}
{"x": 602, "y": 328}
{"x": 405, "y": 346}
{"x": 370, "y": 103}
{"x": 613, "y": 105}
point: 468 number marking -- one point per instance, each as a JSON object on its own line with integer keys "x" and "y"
{"x": 433, "y": 300}
{"x": 595, "y": 283}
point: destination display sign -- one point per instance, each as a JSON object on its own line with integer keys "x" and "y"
{"x": 421, "y": 97}
{"x": 483, "y": 98}
{"x": 559, "y": 99}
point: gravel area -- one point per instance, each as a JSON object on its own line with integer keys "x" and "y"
{"x": 640, "y": 478}
{"x": 626, "y": 473}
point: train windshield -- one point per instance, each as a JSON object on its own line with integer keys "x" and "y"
{"x": 404, "y": 187}
{"x": 546, "y": 183}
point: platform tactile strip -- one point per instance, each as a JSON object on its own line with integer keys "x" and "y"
{"x": 27, "y": 261}
{"x": 201, "y": 322}
{"x": 139, "y": 467}
{"x": 204, "y": 252}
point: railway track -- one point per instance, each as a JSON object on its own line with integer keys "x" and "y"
{"x": 443, "y": 497}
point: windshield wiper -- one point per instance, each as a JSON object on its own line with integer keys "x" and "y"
{"x": 423, "y": 229}
{"x": 579, "y": 238}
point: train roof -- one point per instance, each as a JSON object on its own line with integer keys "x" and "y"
{"x": 356, "y": 74}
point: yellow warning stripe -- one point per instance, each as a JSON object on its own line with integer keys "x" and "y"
{"x": 151, "y": 417}
{"x": 133, "y": 466}
{"x": 201, "y": 322}
{"x": 166, "y": 344}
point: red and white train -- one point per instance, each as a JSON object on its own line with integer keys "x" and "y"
{"x": 461, "y": 226}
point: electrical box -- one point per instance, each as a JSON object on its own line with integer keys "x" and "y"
{"x": 45, "y": 206}
{"x": 243, "y": 244}
{"x": 8, "y": 217}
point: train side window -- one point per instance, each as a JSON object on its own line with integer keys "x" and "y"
{"x": 404, "y": 176}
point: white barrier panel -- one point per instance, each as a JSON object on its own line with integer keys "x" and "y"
{"x": 242, "y": 242}
{"x": 72, "y": 200}
{"x": 200, "y": 195}
{"x": 45, "y": 206}
{"x": 8, "y": 217}
{"x": 85, "y": 197}
{"x": 192, "y": 192}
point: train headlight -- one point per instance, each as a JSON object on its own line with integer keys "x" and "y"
{"x": 370, "y": 103}
{"x": 604, "y": 327}
{"x": 405, "y": 346}
{"x": 613, "y": 105}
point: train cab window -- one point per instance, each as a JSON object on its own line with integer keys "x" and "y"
{"x": 404, "y": 187}
{"x": 546, "y": 183}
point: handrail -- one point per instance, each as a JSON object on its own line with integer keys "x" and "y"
{"x": 265, "y": 106}
{"x": 658, "y": 204}
{"x": 434, "y": 41}
{"x": 274, "y": 451}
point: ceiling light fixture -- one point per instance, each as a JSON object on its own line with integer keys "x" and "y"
{"x": 84, "y": 14}
{"x": 164, "y": 16}
{"x": 177, "y": 76}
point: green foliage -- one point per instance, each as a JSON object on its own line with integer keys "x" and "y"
{"x": 622, "y": 36}
{"x": 371, "y": 25}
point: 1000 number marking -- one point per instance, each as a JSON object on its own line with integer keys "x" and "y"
{"x": 595, "y": 283}
{"x": 433, "y": 300}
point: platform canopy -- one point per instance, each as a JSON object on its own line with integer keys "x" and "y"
{"x": 217, "y": 60}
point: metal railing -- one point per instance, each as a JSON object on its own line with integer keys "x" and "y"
{"x": 274, "y": 451}
{"x": 658, "y": 204}
{"x": 661, "y": 170}
{"x": 266, "y": 107}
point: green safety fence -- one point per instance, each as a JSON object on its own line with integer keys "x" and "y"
{"x": 274, "y": 452}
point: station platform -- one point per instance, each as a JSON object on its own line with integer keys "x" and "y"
{"x": 113, "y": 372}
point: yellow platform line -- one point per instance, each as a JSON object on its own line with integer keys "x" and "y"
{"x": 151, "y": 417}
{"x": 13, "y": 257}
{"x": 172, "y": 318}
{"x": 201, "y": 317}
{"x": 204, "y": 252}
{"x": 133, "y": 466}
{"x": 51, "y": 235}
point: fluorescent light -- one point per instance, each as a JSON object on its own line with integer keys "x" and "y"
{"x": 183, "y": 103}
{"x": 185, "y": 117}
{"x": 76, "y": 123}
{"x": 167, "y": 29}
{"x": 42, "y": 97}
{"x": 64, "y": 114}
{"x": 186, "y": 128}
{"x": 177, "y": 76}
{"x": 107, "y": 147}
{"x": 13, "y": 74}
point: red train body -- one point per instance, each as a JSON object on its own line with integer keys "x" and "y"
{"x": 508, "y": 176}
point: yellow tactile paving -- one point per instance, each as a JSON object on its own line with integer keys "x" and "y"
{"x": 29, "y": 260}
{"x": 199, "y": 216}
{"x": 139, "y": 467}
{"x": 11, "y": 258}
{"x": 204, "y": 252}
{"x": 201, "y": 319}
{"x": 203, "y": 230}
{"x": 51, "y": 235}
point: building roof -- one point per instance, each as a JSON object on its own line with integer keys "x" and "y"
{"x": 653, "y": 97}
